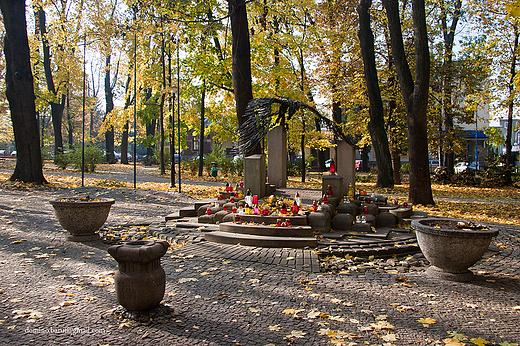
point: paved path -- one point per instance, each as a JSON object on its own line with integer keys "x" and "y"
{"x": 55, "y": 292}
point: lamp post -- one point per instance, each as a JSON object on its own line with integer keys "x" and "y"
{"x": 476, "y": 142}
{"x": 83, "y": 122}
{"x": 179, "y": 112}
{"x": 135, "y": 101}
{"x": 173, "y": 90}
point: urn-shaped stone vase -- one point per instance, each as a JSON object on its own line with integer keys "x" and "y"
{"x": 82, "y": 216}
{"x": 452, "y": 246}
{"x": 140, "y": 281}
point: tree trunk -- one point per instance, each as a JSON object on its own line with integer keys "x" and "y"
{"x": 56, "y": 108}
{"x": 241, "y": 61}
{"x": 124, "y": 134}
{"x": 69, "y": 122}
{"x": 310, "y": 98}
{"x": 447, "y": 104}
{"x": 109, "y": 99}
{"x": 365, "y": 165}
{"x": 415, "y": 96}
{"x": 511, "y": 98}
{"x": 20, "y": 94}
{"x": 161, "y": 107}
{"x": 396, "y": 165}
{"x": 376, "y": 125}
{"x": 302, "y": 148}
{"x": 124, "y": 144}
{"x": 202, "y": 128}
{"x": 172, "y": 120}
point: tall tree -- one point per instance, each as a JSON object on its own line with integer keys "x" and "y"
{"x": 162, "y": 102}
{"x": 415, "y": 94}
{"x": 109, "y": 106}
{"x": 202, "y": 126}
{"x": 447, "y": 102}
{"x": 58, "y": 96}
{"x": 20, "y": 94}
{"x": 502, "y": 37}
{"x": 241, "y": 60}
{"x": 376, "y": 125}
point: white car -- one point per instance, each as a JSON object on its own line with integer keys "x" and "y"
{"x": 461, "y": 167}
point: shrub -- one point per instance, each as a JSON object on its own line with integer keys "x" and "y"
{"x": 167, "y": 158}
{"x": 62, "y": 160}
{"x": 193, "y": 165}
{"x": 364, "y": 178}
{"x": 296, "y": 168}
{"x": 238, "y": 166}
{"x": 150, "y": 160}
{"x": 93, "y": 157}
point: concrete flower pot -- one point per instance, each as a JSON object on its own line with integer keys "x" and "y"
{"x": 451, "y": 247}
{"x": 140, "y": 281}
{"x": 82, "y": 217}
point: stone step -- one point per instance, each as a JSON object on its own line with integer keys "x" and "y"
{"x": 188, "y": 212}
{"x": 300, "y": 220}
{"x": 261, "y": 241}
{"x": 265, "y": 230}
{"x": 202, "y": 202}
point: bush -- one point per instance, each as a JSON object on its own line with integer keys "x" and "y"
{"x": 405, "y": 168}
{"x": 167, "y": 158}
{"x": 295, "y": 169}
{"x": 193, "y": 165}
{"x": 150, "y": 160}
{"x": 238, "y": 166}
{"x": 62, "y": 160}
{"x": 226, "y": 164}
{"x": 93, "y": 157}
{"x": 364, "y": 178}
{"x": 495, "y": 174}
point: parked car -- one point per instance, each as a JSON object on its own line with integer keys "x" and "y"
{"x": 358, "y": 165}
{"x": 434, "y": 163}
{"x": 461, "y": 167}
{"x": 128, "y": 155}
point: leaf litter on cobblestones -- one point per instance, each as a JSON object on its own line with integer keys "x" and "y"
{"x": 30, "y": 314}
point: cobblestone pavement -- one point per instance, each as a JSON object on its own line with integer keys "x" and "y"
{"x": 58, "y": 292}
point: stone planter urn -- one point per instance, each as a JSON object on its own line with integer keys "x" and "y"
{"x": 82, "y": 217}
{"x": 140, "y": 281}
{"x": 452, "y": 246}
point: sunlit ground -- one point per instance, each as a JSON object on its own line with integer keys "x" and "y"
{"x": 500, "y": 205}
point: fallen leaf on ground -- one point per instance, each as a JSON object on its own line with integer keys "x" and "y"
{"x": 295, "y": 334}
{"x": 31, "y": 315}
{"x": 381, "y": 325}
{"x": 389, "y": 337}
{"x": 452, "y": 342}
{"x": 125, "y": 325}
{"x": 479, "y": 341}
{"x": 67, "y": 303}
{"x": 427, "y": 321}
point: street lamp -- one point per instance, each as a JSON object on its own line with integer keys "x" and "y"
{"x": 173, "y": 90}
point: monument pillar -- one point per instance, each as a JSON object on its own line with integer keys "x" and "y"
{"x": 254, "y": 174}
{"x": 346, "y": 164}
{"x": 277, "y": 157}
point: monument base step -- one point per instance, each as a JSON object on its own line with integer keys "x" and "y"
{"x": 188, "y": 212}
{"x": 261, "y": 241}
{"x": 266, "y": 230}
